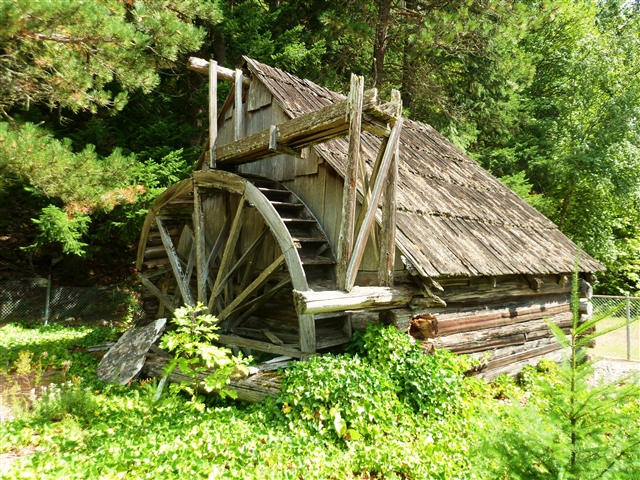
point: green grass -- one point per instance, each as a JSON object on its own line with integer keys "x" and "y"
{"x": 614, "y": 343}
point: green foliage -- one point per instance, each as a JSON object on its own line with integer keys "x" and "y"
{"x": 51, "y": 345}
{"x": 429, "y": 384}
{"x": 570, "y": 429}
{"x": 70, "y": 53}
{"x": 55, "y": 226}
{"x": 195, "y": 354}
{"x": 57, "y": 401}
{"x": 349, "y": 398}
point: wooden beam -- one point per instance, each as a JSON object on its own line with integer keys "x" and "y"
{"x": 202, "y": 66}
{"x": 172, "y": 254}
{"x": 239, "y": 120}
{"x": 349, "y": 192}
{"x": 306, "y": 130}
{"x": 229, "y": 248}
{"x": 202, "y": 271}
{"x": 255, "y": 285}
{"x": 257, "y": 345}
{"x": 276, "y": 147}
{"x": 359, "y": 298}
{"x": 213, "y": 112}
{"x": 256, "y": 243}
{"x": 256, "y": 303}
{"x": 370, "y": 215}
{"x": 164, "y": 300}
{"x": 386, "y": 261}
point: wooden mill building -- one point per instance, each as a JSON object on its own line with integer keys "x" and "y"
{"x": 312, "y": 214}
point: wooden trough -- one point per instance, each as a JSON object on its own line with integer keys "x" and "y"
{"x": 311, "y": 214}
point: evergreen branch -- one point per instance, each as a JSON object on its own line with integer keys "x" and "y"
{"x": 622, "y": 453}
{"x": 56, "y": 37}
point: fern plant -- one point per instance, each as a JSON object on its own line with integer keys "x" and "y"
{"x": 570, "y": 429}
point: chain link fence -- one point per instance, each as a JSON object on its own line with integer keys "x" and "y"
{"x": 37, "y": 300}
{"x": 622, "y": 316}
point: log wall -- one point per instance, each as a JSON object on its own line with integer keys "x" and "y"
{"x": 499, "y": 321}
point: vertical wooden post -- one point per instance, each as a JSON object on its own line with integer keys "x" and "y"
{"x": 213, "y": 111}
{"x": 345, "y": 239}
{"x": 370, "y": 214}
{"x": 238, "y": 132}
{"x": 201, "y": 256}
{"x": 388, "y": 231}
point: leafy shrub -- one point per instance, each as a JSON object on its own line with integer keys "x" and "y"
{"x": 340, "y": 396}
{"x": 196, "y": 356}
{"x": 429, "y": 384}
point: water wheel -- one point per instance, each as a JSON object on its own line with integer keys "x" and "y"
{"x": 239, "y": 245}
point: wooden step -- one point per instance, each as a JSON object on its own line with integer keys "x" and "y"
{"x": 299, "y": 220}
{"x": 277, "y": 204}
{"x": 302, "y": 239}
{"x": 276, "y": 192}
{"x": 155, "y": 252}
{"x": 317, "y": 260}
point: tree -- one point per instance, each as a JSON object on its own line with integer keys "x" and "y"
{"x": 75, "y": 56}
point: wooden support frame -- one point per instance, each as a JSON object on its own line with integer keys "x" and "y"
{"x": 213, "y": 112}
{"x": 229, "y": 248}
{"x": 255, "y": 285}
{"x": 172, "y": 254}
{"x": 386, "y": 260}
{"x": 238, "y": 131}
{"x": 390, "y": 153}
{"x": 202, "y": 270}
{"x": 349, "y": 192}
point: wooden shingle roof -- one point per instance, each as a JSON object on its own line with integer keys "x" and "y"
{"x": 454, "y": 218}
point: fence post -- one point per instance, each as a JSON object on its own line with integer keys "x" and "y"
{"x": 47, "y": 300}
{"x": 628, "y": 328}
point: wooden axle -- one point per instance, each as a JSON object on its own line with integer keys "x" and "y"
{"x": 202, "y": 66}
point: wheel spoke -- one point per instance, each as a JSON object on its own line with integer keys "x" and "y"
{"x": 229, "y": 248}
{"x": 258, "y": 283}
{"x": 172, "y": 254}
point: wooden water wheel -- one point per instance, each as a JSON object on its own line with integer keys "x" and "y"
{"x": 239, "y": 245}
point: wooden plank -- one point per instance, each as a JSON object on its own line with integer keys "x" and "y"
{"x": 308, "y": 129}
{"x": 258, "y": 96}
{"x": 257, "y": 345}
{"x": 252, "y": 288}
{"x": 172, "y": 254}
{"x": 202, "y": 66}
{"x": 239, "y": 119}
{"x": 359, "y": 298}
{"x": 164, "y": 300}
{"x": 254, "y": 388}
{"x": 307, "y": 328}
{"x": 202, "y": 271}
{"x": 229, "y": 249}
{"x": 213, "y": 111}
{"x": 258, "y": 302}
{"x": 370, "y": 215}
{"x": 345, "y": 240}
{"x": 388, "y": 230}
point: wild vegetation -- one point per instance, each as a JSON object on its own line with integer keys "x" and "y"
{"x": 385, "y": 409}
{"x": 98, "y": 113}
